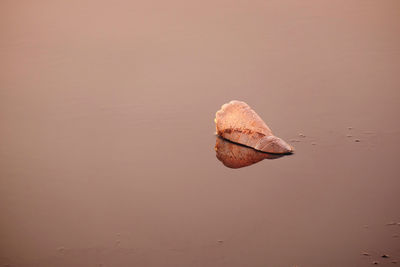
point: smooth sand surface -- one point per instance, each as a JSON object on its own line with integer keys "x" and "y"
{"x": 107, "y": 135}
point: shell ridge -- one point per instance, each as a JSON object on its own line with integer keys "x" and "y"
{"x": 238, "y": 122}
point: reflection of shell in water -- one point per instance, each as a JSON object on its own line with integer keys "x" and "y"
{"x": 237, "y": 122}
{"x": 237, "y": 156}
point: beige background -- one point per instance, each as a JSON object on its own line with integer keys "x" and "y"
{"x": 106, "y": 133}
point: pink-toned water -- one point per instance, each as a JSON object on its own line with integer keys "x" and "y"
{"x": 107, "y": 135}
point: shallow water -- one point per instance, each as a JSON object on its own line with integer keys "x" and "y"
{"x": 107, "y": 135}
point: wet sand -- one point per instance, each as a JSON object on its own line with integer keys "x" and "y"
{"x": 107, "y": 135}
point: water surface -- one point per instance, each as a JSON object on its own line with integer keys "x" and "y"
{"x": 107, "y": 135}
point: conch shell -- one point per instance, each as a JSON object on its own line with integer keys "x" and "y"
{"x": 237, "y": 122}
{"x": 237, "y": 156}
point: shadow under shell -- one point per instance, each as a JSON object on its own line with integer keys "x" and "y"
{"x": 236, "y": 156}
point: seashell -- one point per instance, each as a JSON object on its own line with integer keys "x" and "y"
{"x": 237, "y": 122}
{"x": 237, "y": 156}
